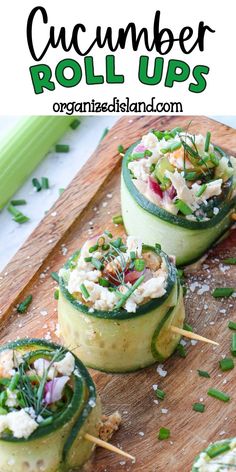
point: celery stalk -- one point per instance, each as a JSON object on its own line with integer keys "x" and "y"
{"x": 22, "y": 149}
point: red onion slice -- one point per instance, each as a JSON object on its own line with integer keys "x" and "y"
{"x": 54, "y": 389}
{"x": 155, "y": 187}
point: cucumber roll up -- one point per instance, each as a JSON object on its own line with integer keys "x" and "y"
{"x": 48, "y": 402}
{"x": 218, "y": 457}
{"x": 177, "y": 188}
{"x": 116, "y": 303}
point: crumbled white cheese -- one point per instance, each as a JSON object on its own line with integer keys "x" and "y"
{"x": 140, "y": 169}
{"x": 66, "y": 365}
{"x": 161, "y": 371}
{"x": 11, "y": 400}
{"x": 78, "y": 277}
{"x": 9, "y": 359}
{"x": 19, "y": 422}
{"x": 182, "y": 190}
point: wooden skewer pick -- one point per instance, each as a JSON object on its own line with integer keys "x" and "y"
{"x": 190, "y": 335}
{"x": 108, "y": 446}
{"x": 233, "y": 216}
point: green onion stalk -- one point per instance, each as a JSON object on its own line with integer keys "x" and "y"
{"x": 58, "y": 444}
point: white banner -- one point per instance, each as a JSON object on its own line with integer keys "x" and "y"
{"x": 95, "y": 61}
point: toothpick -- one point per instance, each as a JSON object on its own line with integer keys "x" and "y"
{"x": 233, "y": 216}
{"x": 190, "y": 335}
{"x": 108, "y": 446}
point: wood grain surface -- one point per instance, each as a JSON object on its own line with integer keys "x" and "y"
{"x": 84, "y": 209}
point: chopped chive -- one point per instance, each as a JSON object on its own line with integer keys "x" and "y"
{"x": 93, "y": 248}
{"x": 103, "y": 282}
{"x": 222, "y": 292}
{"x": 232, "y": 325}
{"x": 55, "y": 276}
{"x": 137, "y": 155}
{"x": 14, "y": 381}
{"x": 21, "y": 218}
{"x": 62, "y": 148}
{"x": 190, "y": 176}
{"x": 88, "y": 259}
{"x": 175, "y": 145}
{"x": 160, "y": 394}
{"x": 147, "y": 153}
{"x": 200, "y": 407}
{"x": 129, "y": 292}
{"x": 96, "y": 263}
{"x": 18, "y": 202}
{"x": 132, "y": 255}
{"x": 84, "y": 291}
{"x": 36, "y": 184}
{"x": 116, "y": 243}
{"x": 104, "y": 133}
{"x": 233, "y": 345}
{"x": 56, "y": 294}
{"x": 181, "y": 350}
{"x": 217, "y": 449}
{"x": 207, "y": 141}
{"x": 139, "y": 265}
{"x": 75, "y": 123}
{"x": 101, "y": 241}
{"x": 45, "y": 183}
{"x": 46, "y": 421}
{"x": 176, "y": 130}
{"x": 213, "y": 392}
{"x": 120, "y": 149}
{"x": 164, "y": 433}
{"x": 188, "y": 327}
{"x": 105, "y": 247}
{"x": 61, "y": 190}
{"x": 226, "y": 364}
{"x": 230, "y": 261}
{"x": 201, "y": 190}
{"x": 214, "y": 159}
{"x": 17, "y": 215}
{"x": 158, "y": 134}
{"x": 158, "y": 247}
{"x": 203, "y": 373}
{"x": 22, "y": 307}
{"x": 183, "y": 207}
{"x": 152, "y": 168}
{"x": 108, "y": 233}
{"x": 165, "y": 150}
{"x": 117, "y": 220}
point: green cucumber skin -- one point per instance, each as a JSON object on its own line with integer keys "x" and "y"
{"x": 184, "y": 239}
{"x": 224, "y": 441}
{"x": 46, "y": 447}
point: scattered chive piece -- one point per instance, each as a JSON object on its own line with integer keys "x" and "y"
{"x": 45, "y": 182}
{"x": 117, "y": 220}
{"x": 183, "y": 207}
{"x": 93, "y": 248}
{"x": 152, "y": 168}
{"x": 231, "y": 325}
{"x": 201, "y": 190}
{"x": 132, "y": 255}
{"x": 56, "y": 294}
{"x": 117, "y": 243}
{"x": 190, "y": 176}
{"x": 164, "y": 433}
{"x": 214, "y": 159}
{"x": 230, "y": 260}
{"x": 213, "y": 392}
{"x": 165, "y": 149}
{"x": 175, "y": 145}
{"x": 55, "y": 276}
{"x": 188, "y": 327}
{"x": 108, "y": 234}
{"x": 21, "y": 218}
{"x": 222, "y": 292}
{"x": 36, "y": 184}
{"x": 120, "y": 149}
{"x": 101, "y": 241}
{"x": 62, "y": 148}
{"x": 105, "y": 247}
{"x": 88, "y": 259}
{"x": 129, "y": 292}
{"x": 96, "y": 263}
{"x": 103, "y": 282}
{"x": 160, "y": 394}
{"x": 158, "y": 134}
{"x": 14, "y": 381}
{"x": 139, "y": 265}
{"x": 61, "y": 190}
{"x": 181, "y": 350}
{"x": 22, "y": 307}
{"x": 148, "y": 153}
{"x": 226, "y": 364}
{"x": 18, "y": 202}
{"x": 75, "y": 123}
{"x": 217, "y": 449}
{"x": 104, "y": 133}
{"x": 207, "y": 141}
{"x": 200, "y": 407}
{"x": 84, "y": 291}
{"x": 233, "y": 345}
{"x": 203, "y": 373}
{"x": 158, "y": 247}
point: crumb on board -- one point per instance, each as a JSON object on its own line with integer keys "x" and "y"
{"x": 109, "y": 424}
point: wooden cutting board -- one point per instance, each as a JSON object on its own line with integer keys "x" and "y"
{"x": 86, "y": 208}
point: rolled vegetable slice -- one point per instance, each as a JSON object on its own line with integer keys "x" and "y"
{"x": 24, "y": 146}
{"x": 48, "y": 402}
{"x": 123, "y": 325}
{"x": 183, "y": 198}
{"x": 219, "y": 456}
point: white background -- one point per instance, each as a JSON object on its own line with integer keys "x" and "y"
{"x": 16, "y": 91}
{"x": 60, "y": 169}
